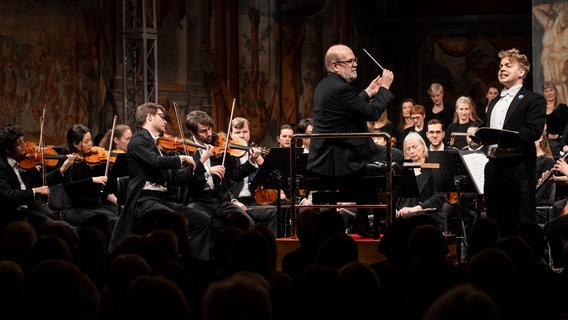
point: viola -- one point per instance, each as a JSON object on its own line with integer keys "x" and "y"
{"x": 34, "y": 156}
{"x": 265, "y": 196}
{"x": 168, "y": 143}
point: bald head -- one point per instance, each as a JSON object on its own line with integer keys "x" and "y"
{"x": 336, "y": 53}
{"x": 339, "y": 59}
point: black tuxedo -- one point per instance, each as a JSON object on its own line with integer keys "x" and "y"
{"x": 146, "y": 163}
{"x": 339, "y": 109}
{"x": 429, "y": 197}
{"x": 510, "y": 182}
{"x": 266, "y": 215}
{"x": 216, "y": 202}
{"x": 12, "y": 197}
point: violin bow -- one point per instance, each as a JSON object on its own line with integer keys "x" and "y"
{"x": 110, "y": 145}
{"x": 228, "y": 133}
{"x": 42, "y": 147}
{"x": 180, "y": 128}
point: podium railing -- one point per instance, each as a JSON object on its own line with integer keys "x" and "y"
{"x": 388, "y": 174}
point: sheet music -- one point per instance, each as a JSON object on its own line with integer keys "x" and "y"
{"x": 475, "y": 165}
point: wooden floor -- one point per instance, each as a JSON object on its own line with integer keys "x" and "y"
{"x": 367, "y": 249}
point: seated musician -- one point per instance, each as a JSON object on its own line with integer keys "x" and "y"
{"x": 148, "y": 183}
{"x": 247, "y": 166}
{"x": 121, "y": 138}
{"x": 208, "y": 185}
{"x": 20, "y": 191}
{"x": 85, "y": 182}
{"x": 429, "y": 201}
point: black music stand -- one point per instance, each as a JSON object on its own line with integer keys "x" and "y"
{"x": 408, "y": 188}
{"x": 453, "y": 176}
{"x": 275, "y": 174}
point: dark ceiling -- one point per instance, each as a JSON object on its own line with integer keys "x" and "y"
{"x": 451, "y": 18}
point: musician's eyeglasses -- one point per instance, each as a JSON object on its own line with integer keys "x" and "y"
{"x": 350, "y": 62}
{"x": 434, "y": 132}
{"x": 416, "y": 117}
{"x": 163, "y": 116}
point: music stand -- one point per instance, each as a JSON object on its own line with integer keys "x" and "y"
{"x": 408, "y": 188}
{"x": 453, "y": 176}
{"x": 275, "y": 174}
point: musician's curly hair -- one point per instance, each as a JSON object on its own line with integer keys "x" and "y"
{"x": 8, "y": 137}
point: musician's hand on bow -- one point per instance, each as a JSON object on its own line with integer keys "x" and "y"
{"x": 102, "y": 180}
{"x": 43, "y": 190}
{"x": 219, "y": 171}
{"x": 188, "y": 161}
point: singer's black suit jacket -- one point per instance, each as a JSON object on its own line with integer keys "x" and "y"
{"x": 510, "y": 182}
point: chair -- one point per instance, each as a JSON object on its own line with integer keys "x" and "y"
{"x": 121, "y": 186}
{"x": 57, "y": 200}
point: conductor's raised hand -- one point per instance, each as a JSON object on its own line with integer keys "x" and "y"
{"x": 373, "y": 87}
{"x": 386, "y": 79}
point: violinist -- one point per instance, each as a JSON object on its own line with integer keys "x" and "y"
{"x": 247, "y": 166}
{"x": 85, "y": 182}
{"x": 20, "y": 191}
{"x": 208, "y": 185}
{"x": 148, "y": 182}
{"x": 121, "y": 138}
{"x": 306, "y": 126}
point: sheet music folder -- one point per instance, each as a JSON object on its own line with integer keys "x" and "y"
{"x": 453, "y": 163}
{"x": 489, "y": 136}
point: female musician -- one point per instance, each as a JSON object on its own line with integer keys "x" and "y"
{"x": 465, "y": 114}
{"x": 429, "y": 198}
{"x": 405, "y": 121}
{"x": 285, "y": 136}
{"x": 121, "y": 138}
{"x": 556, "y": 117}
{"x": 85, "y": 181}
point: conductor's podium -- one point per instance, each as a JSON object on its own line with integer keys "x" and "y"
{"x": 371, "y": 189}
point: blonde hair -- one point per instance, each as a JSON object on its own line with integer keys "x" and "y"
{"x": 467, "y": 100}
{"x": 516, "y": 55}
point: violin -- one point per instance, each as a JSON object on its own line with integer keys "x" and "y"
{"x": 99, "y": 155}
{"x": 236, "y": 147}
{"x": 34, "y": 156}
{"x": 168, "y": 143}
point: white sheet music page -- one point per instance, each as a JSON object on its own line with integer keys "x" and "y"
{"x": 475, "y": 165}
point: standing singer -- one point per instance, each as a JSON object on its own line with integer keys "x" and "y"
{"x": 510, "y": 182}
